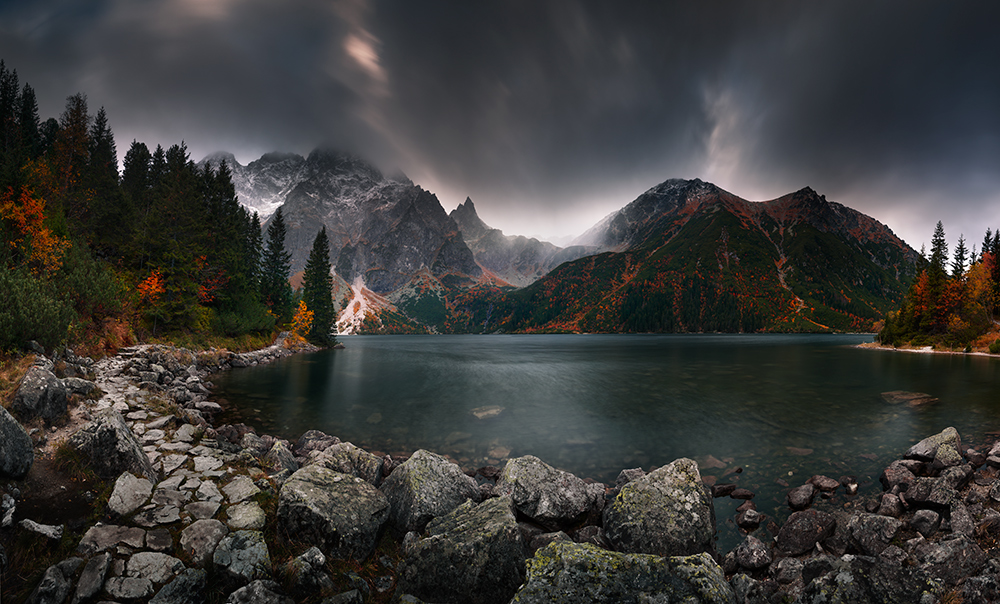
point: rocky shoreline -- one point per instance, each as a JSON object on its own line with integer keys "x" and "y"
{"x": 195, "y": 512}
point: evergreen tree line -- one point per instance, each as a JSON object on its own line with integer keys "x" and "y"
{"x": 953, "y": 301}
{"x": 162, "y": 246}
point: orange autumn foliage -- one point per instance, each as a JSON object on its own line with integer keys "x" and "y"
{"x": 301, "y": 323}
{"x": 151, "y": 288}
{"x": 41, "y": 249}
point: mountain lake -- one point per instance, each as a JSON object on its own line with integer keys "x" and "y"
{"x": 756, "y": 410}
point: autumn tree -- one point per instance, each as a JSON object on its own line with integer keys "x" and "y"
{"x": 317, "y": 290}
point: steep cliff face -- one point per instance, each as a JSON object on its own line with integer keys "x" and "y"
{"x": 515, "y": 259}
{"x": 688, "y": 256}
{"x": 382, "y": 230}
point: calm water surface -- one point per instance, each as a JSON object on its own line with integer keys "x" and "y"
{"x": 776, "y": 406}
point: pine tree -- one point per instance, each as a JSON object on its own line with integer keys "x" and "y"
{"x": 958, "y": 264}
{"x": 275, "y": 268}
{"x": 987, "y": 243}
{"x": 317, "y": 290}
{"x": 111, "y": 216}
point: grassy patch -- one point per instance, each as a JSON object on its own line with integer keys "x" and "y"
{"x": 12, "y": 369}
{"x": 28, "y": 556}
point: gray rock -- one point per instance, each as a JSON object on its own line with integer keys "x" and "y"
{"x": 187, "y": 588}
{"x": 40, "y": 394}
{"x": 200, "y": 540}
{"x": 340, "y": 513}
{"x": 207, "y": 491}
{"x": 926, "y": 522}
{"x": 354, "y": 597}
{"x": 160, "y": 540}
{"x": 16, "y": 451}
{"x": 240, "y": 488}
{"x": 259, "y": 592}
{"x": 627, "y": 476}
{"x": 245, "y": 516}
{"x": 474, "y": 554}
{"x": 803, "y": 530}
{"x": 348, "y": 459}
{"x": 203, "y": 510}
{"x": 800, "y": 498}
{"x": 957, "y": 476}
{"x": 79, "y": 386}
{"x": 279, "y": 458}
{"x": 242, "y": 556}
{"x": 306, "y": 574}
{"x": 752, "y": 554}
{"x": 788, "y": 570}
{"x": 539, "y": 541}
{"x": 110, "y": 447}
{"x": 56, "y": 583}
{"x": 553, "y": 498}
{"x": 668, "y": 512}
{"x": 933, "y": 493}
{"x": 899, "y": 472}
{"x": 951, "y": 560}
{"x": 824, "y": 483}
{"x": 128, "y": 588}
{"x": 129, "y": 494}
{"x": 890, "y": 505}
{"x": 926, "y": 449}
{"x": 54, "y": 532}
{"x": 423, "y": 487}
{"x": 92, "y": 579}
{"x": 104, "y": 537}
{"x": 570, "y": 573}
{"x": 866, "y": 580}
{"x": 947, "y": 456}
{"x": 314, "y": 440}
{"x": 187, "y": 433}
{"x": 871, "y": 533}
{"x": 155, "y": 566}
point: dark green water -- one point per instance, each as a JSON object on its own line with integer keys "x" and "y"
{"x": 594, "y": 404}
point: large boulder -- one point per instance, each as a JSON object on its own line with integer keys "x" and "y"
{"x": 423, "y": 487}
{"x": 474, "y": 555}
{"x": 340, "y": 513}
{"x": 40, "y": 394}
{"x": 16, "y": 451}
{"x": 553, "y": 498}
{"x": 347, "y": 458}
{"x": 668, "y": 512}
{"x": 565, "y": 572}
{"x": 110, "y": 447}
{"x": 927, "y": 449}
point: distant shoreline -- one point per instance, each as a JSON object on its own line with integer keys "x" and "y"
{"x": 922, "y": 350}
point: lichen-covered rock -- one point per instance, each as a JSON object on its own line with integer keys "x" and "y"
{"x": 280, "y": 457}
{"x": 110, "y": 447}
{"x": 950, "y": 560}
{"x": 16, "y": 451}
{"x": 569, "y": 573}
{"x": 40, "y": 394}
{"x": 550, "y": 497}
{"x": 473, "y": 555}
{"x": 926, "y": 449}
{"x": 200, "y": 540}
{"x": 803, "y": 530}
{"x": 866, "y": 580}
{"x": 752, "y": 554}
{"x": 871, "y": 533}
{"x": 348, "y": 459}
{"x": 340, "y": 513}
{"x": 243, "y": 557}
{"x": 668, "y": 512}
{"x": 933, "y": 493}
{"x": 423, "y": 487}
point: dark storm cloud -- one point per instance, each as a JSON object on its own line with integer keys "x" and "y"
{"x": 551, "y": 114}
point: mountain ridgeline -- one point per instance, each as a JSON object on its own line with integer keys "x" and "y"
{"x": 685, "y": 256}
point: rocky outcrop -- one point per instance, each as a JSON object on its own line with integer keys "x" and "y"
{"x": 40, "y": 394}
{"x": 16, "y": 451}
{"x": 569, "y": 573}
{"x": 424, "y": 487}
{"x": 553, "y": 498}
{"x": 341, "y": 514}
{"x": 472, "y": 555}
{"x": 110, "y": 447}
{"x": 668, "y": 512}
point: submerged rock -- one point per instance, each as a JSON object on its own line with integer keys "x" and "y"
{"x": 668, "y": 512}
{"x": 568, "y": 573}
{"x": 473, "y": 555}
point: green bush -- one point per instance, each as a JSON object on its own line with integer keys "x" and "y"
{"x": 89, "y": 285}
{"x": 30, "y": 309}
{"x": 995, "y": 347}
{"x": 245, "y": 316}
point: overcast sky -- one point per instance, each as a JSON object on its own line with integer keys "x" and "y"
{"x": 550, "y": 115}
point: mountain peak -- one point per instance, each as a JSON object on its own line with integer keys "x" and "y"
{"x": 218, "y": 157}
{"x": 468, "y": 220}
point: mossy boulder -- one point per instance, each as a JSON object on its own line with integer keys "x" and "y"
{"x": 473, "y": 555}
{"x": 341, "y": 514}
{"x": 423, "y": 487}
{"x": 553, "y": 498}
{"x": 565, "y": 572}
{"x": 668, "y": 512}
{"x": 926, "y": 449}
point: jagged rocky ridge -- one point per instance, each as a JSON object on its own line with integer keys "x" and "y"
{"x": 196, "y": 513}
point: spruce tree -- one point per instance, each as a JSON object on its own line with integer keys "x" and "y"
{"x": 987, "y": 243}
{"x": 317, "y": 290}
{"x": 275, "y": 268}
{"x": 958, "y": 264}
